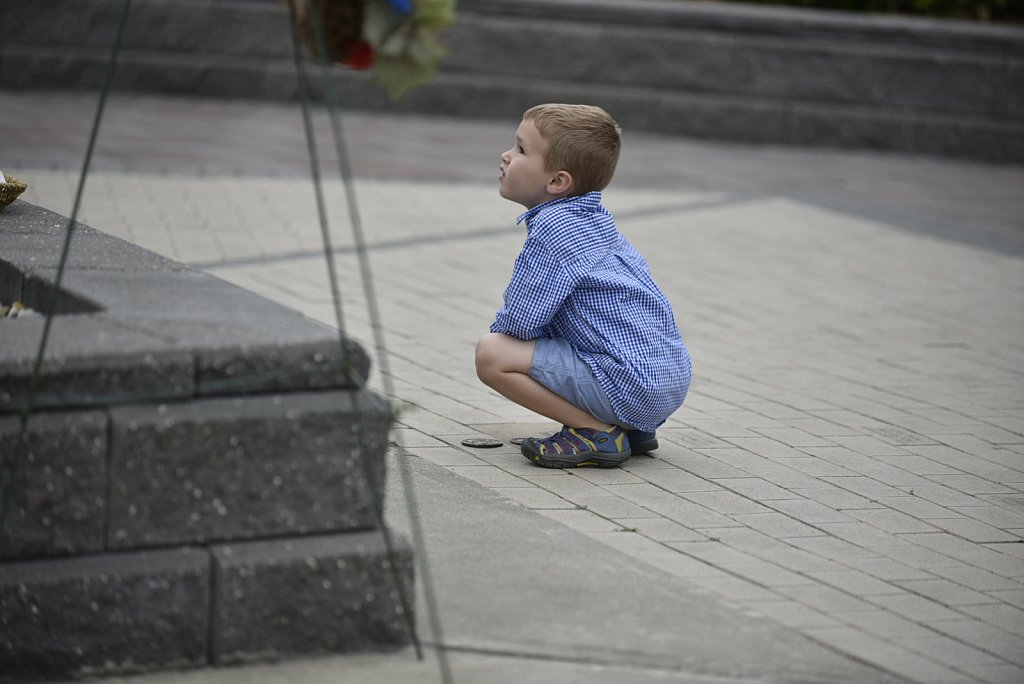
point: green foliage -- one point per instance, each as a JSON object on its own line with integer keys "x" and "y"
{"x": 984, "y": 10}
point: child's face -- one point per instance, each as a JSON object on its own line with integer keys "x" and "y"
{"x": 524, "y": 178}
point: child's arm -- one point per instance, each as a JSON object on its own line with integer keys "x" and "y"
{"x": 539, "y": 286}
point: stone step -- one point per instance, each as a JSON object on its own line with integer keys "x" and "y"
{"x": 122, "y": 613}
{"x": 194, "y": 476}
{"x": 738, "y": 72}
{"x": 136, "y": 327}
{"x": 197, "y": 472}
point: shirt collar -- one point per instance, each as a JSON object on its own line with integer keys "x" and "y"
{"x": 588, "y": 202}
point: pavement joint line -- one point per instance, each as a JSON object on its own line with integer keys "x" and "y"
{"x": 435, "y": 239}
{"x": 630, "y": 662}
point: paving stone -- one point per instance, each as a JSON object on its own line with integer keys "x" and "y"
{"x": 794, "y": 437}
{"x": 865, "y": 486}
{"x": 692, "y": 438}
{"x": 1013, "y": 597}
{"x": 707, "y": 467}
{"x": 59, "y": 494}
{"x": 417, "y": 439}
{"x": 985, "y": 637}
{"x": 584, "y": 521}
{"x": 104, "y": 614}
{"x": 891, "y": 522}
{"x": 1009, "y": 618}
{"x": 918, "y": 465}
{"x": 793, "y": 614}
{"x": 856, "y": 583}
{"x": 762, "y": 446}
{"x": 321, "y": 594}
{"x": 614, "y": 507}
{"x": 810, "y": 512}
{"x": 786, "y": 478}
{"x": 996, "y": 674}
{"x": 885, "y": 625}
{"x": 447, "y": 456}
{"x": 861, "y": 534}
{"x": 798, "y": 560}
{"x": 777, "y": 525}
{"x": 756, "y": 488}
{"x": 946, "y": 592}
{"x": 885, "y": 654}
{"x": 978, "y": 579}
{"x": 914, "y": 607}
{"x": 868, "y": 446}
{"x": 836, "y": 497}
{"x": 715, "y": 553}
{"x": 917, "y": 508}
{"x": 677, "y": 480}
{"x": 533, "y": 497}
{"x": 826, "y": 599}
{"x": 969, "y": 484}
{"x": 994, "y": 516}
{"x": 567, "y": 486}
{"x": 726, "y": 502}
{"x": 890, "y": 570}
{"x": 771, "y": 575}
{"x": 815, "y": 467}
{"x": 975, "y": 530}
{"x": 490, "y": 476}
{"x": 608, "y": 476}
{"x": 833, "y": 548}
{"x": 736, "y": 589}
{"x": 987, "y": 558}
{"x": 657, "y": 554}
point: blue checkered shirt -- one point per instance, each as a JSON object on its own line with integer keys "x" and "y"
{"x": 577, "y": 278}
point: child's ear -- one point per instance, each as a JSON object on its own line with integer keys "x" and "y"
{"x": 561, "y": 183}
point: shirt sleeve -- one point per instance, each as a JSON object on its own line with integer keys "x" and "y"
{"x": 540, "y": 284}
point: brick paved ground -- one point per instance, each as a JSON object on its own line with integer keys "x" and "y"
{"x": 850, "y": 461}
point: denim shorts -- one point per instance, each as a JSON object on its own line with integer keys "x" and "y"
{"x": 556, "y": 366}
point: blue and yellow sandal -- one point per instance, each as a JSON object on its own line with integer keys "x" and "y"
{"x": 578, "y": 447}
{"x": 642, "y": 442}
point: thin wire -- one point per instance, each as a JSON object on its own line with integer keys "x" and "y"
{"x": 49, "y": 310}
{"x": 335, "y": 292}
{"x": 369, "y": 288}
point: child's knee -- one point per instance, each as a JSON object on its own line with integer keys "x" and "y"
{"x": 486, "y": 358}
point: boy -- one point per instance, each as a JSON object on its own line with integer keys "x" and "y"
{"x": 585, "y": 337}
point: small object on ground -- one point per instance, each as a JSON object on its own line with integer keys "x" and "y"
{"x": 482, "y": 442}
{"x": 15, "y": 310}
{"x": 10, "y": 188}
{"x": 518, "y": 440}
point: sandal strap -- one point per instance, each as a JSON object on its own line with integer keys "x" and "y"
{"x": 567, "y": 441}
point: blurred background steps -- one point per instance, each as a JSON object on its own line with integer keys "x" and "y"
{"x": 709, "y": 70}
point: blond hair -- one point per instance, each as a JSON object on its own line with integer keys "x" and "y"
{"x": 582, "y": 139}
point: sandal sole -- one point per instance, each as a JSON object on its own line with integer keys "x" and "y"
{"x": 579, "y": 461}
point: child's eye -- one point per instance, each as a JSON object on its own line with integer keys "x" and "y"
{"x": 521, "y": 150}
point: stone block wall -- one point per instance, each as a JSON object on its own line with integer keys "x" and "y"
{"x": 710, "y": 70}
{"x": 202, "y": 472}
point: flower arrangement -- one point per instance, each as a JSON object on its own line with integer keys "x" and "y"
{"x": 398, "y": 39}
